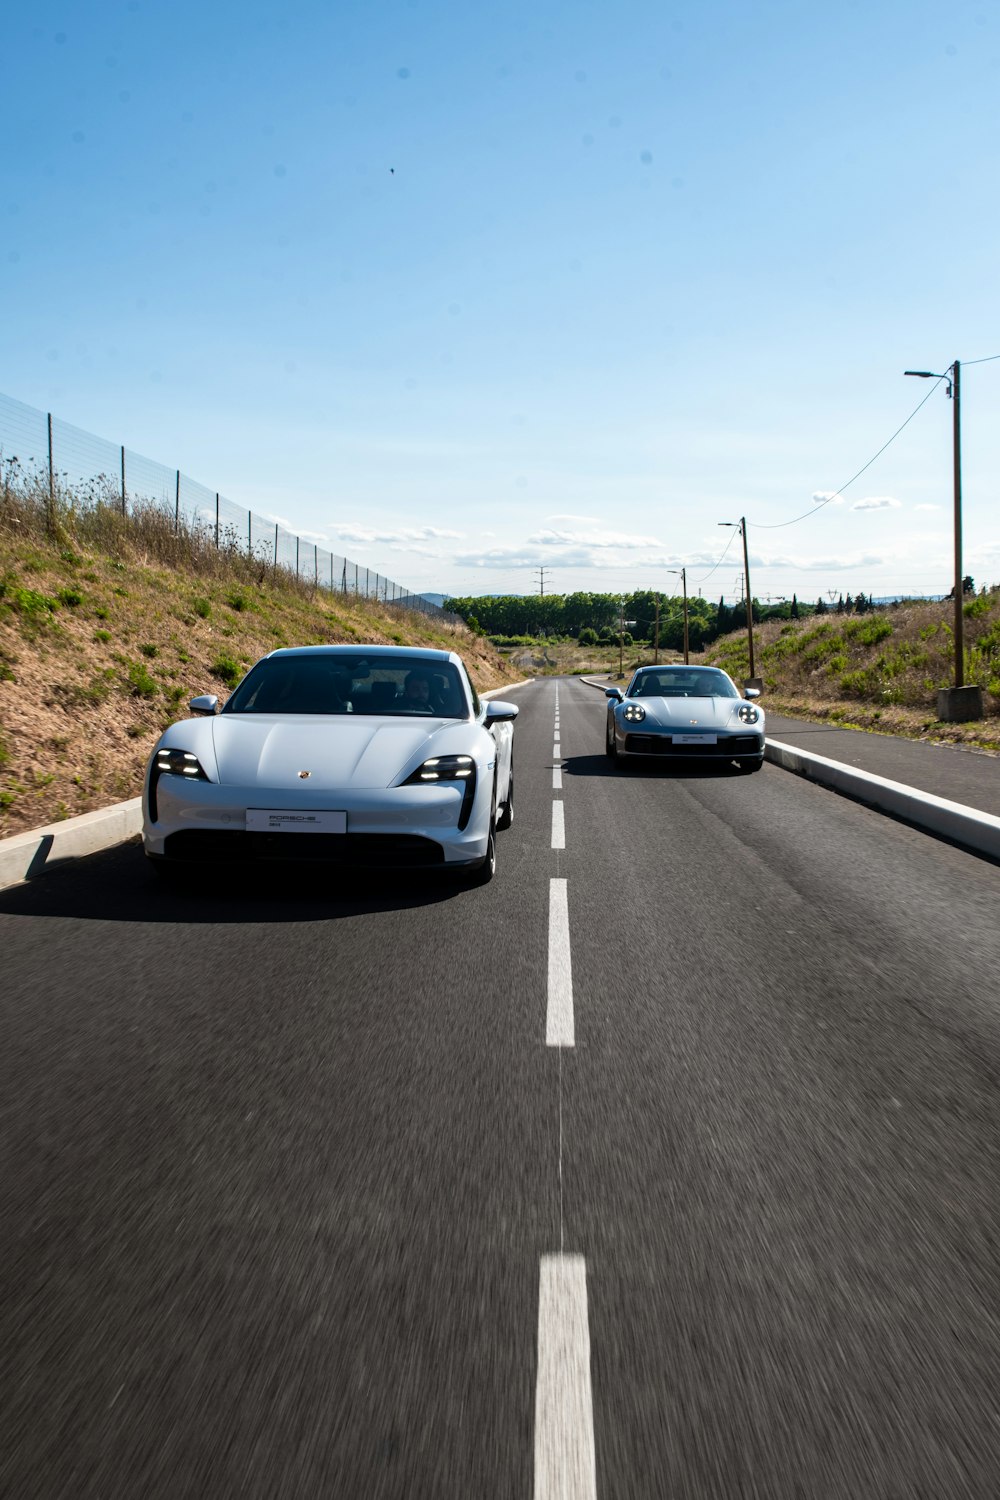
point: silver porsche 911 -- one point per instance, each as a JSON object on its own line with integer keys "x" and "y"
{"x": 357, "y": 756}
{"x": 685, "y": 712}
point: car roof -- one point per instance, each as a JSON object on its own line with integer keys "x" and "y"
{"x": 680, "y": 666}
{"x": 418, "y": 653}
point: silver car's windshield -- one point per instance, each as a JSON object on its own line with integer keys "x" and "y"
{"x": 691, "y": 682}
{"x": 398, "y": 686}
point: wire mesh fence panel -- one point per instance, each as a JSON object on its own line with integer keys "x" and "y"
{"x": 24, "y": 439}
{"x": 87, "y": 463}
{"x": 84, "y": 470}
{"x": 145, "y": 479}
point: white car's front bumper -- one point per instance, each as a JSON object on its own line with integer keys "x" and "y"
{"x": 202, "y": 821}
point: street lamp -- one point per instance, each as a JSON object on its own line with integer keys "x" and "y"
{"x": 741, "y": 526}
{"x": 961, "y": 702}
{"x": 684, "y": 584}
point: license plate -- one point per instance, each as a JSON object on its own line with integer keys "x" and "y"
{"x": 695, "y": 739}
{"x": 298, "y": 820}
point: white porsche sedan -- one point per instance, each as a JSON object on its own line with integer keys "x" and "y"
{"x": 363, "y": 757}
{"x": 685, "y": 713}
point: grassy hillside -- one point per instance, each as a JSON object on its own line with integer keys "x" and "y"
{"x": 879, "y": 670}
{"x": 108, "y": 626}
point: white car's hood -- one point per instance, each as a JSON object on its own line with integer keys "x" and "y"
{"x": 257, "y": 750}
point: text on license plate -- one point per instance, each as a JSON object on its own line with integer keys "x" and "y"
{"x": 695, "y": 739}
{"x": 295, "y": 820}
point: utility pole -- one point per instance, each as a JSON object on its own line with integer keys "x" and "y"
{"x": 541, "y": 580}
{"x": 963, "y": 702}
{"x": 656, "y": 636}
{"x": 621, "y": 638}
{"x": 741, "y": 526}
{"x": 682, "y": 572}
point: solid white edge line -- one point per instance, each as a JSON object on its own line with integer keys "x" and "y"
{"x": 559, "y": 1028}
{"x": 565, "y": 1460}
{"x": 558, "y": 826}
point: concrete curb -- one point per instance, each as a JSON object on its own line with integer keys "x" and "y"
{"x": 962, "y": 825}
{"x": 27, "y": 855}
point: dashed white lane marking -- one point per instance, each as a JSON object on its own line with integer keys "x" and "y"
{"x": 557, "y": 778}
{"x": 556, "y": 752}
{"x": 558, "y": 826}
{"x": 559, "y": 1031}
{"x": 565, "y": 1464}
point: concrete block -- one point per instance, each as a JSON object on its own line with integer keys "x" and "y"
{"x": 957, "y": 705}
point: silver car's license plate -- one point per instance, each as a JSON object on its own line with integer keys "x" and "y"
{"x": 295, "y": 820}
{"x": 695, "y": 739}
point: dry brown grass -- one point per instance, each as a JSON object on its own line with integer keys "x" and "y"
{"x": 108, "y": 626}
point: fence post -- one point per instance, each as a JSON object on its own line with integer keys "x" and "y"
{"x": 331, "y": 572}
{"x": 275, "y": 548}
{"x": 177, "y": 504}
{"x": 296, "y": 557}
{"x": 124, "y": 512}
{"x": 249, "y": 533}
{"x": 366, "y": 583}
{"x": 315, "y": 565}
{"x": 345, "y": 576}
{"x": 216, "y": 520}
{"x": 355, "y": 578}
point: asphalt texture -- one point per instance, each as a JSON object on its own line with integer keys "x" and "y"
{"x": 279, "y": 1160}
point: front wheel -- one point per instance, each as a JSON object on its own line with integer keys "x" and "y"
{"x": 749, "y": 766}
{"x": 484, "y": 873}
{"x": 610, "y": 744}
{"x": 506, "y": 817}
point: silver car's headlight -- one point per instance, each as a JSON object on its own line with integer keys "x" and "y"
{"x": 747, "y": 714}
{"x": 634, "y": 713}
{"x": 173, "y": 763}
{"x": 449, "y": 768}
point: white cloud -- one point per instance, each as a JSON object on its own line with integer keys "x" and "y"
{"x": 403, "y": 539}
{"x": 621, "y": 539}
{"x": 877, "y": 502}
{"x": 827, "y": 497}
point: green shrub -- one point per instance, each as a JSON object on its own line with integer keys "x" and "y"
{"x": 226, "y": 670}
{"x": 27, "y": 602}
{"x": 141, "y": 685}
{"x": 70, "y": 597}
{"x": 981, "y": 605}
{"x": 202, "y": 608}
{"x": 103, "y": 636}
{"x": 867, "y": 630}
{"x": 148, "y": 649}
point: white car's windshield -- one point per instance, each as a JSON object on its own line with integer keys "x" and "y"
{"x": 333, "y": 685}
{"x": 695, "y": 682}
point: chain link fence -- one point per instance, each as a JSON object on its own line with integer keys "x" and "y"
{"x": 93, "y": 470}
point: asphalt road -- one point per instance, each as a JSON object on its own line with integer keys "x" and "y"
{"x": 297, "y": 1200}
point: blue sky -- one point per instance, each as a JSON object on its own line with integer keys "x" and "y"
{"x": 464, "y": 291}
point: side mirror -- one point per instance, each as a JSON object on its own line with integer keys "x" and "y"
{"x": 499, "y": 713}
{"x": 208, "y": 703}
{"x": 751, "y": 693}
{"x": 615, "y": 693}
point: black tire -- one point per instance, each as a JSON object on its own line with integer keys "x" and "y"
{"x": 610, "y": 744}
{"x": 484, "y": 873}
{"x": 749, "y": 766}
{"x": 506, "y": 817}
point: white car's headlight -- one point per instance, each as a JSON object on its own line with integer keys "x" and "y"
{"x": 172, "y": 763}
{"x": 634, "y": 713}
{"x": 448, "y": 768}
{"x": 747, "y": 714}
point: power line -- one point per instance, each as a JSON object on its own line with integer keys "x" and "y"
{"x": 779, "y": 525}
{"x": 732, "y": 537}
{"x": 985, "y": 361}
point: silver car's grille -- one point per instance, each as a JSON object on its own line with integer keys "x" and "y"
{"x": 725, "y": 747}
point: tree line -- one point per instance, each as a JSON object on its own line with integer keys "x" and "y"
{"x": 594, "y": 619}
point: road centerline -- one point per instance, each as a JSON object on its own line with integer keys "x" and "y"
{"x": 559, "y": 1029}
{"x": 565, "y": 1462}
